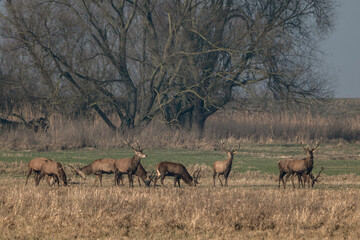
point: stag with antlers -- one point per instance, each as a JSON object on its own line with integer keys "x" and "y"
{"x": 290, "y": 167}
{"x": 129, "y": 166}
{"x": 224, "y": 167}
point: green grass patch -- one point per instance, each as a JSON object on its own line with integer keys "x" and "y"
{"x": 336, "y": 159}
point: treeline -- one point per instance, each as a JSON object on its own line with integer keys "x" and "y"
{"x": 335, "y": 121}
{"x": 179, "y": 62}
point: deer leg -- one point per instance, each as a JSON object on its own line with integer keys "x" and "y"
{"x": 156, "y": 178}
{"x": 96, "y": 178}
{"x": 131, "y": 183}
{"x": 299, "y": 180}
{"x": 28, "y": 175}
{"x": 281, "y": 178}
{"x": 286, "y": 178}
{"x": 178, "y": 181}
{"x": 220, "y": 180}
{"x": 292, "y": 180}
{"x": 42, "y": 174}
{"x": 162, "y": 180}
{"x": 116, "y": 177}
{"x": 139, "y": 181}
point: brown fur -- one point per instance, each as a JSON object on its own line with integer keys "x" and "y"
{"x": 224, "y": 167}
{"x": 177, "y": 170}
{"x": 52, "y": 168}
{"x": 299, "y": 167}
{"x": 141, "y": 173}
{"x": 98, "y": 168}
{"x": 35, "y": 165}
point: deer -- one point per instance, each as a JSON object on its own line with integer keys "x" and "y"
{"x": 178, "y": 171}
{"x": 52, "y": 169}
{"x": 310, "y": 178}
{"x": 129, "y": 166}
{"x": 290, "y": 167}
{"x": 224, "y": 167}
{"x": 140, "y": 173}
{"x": 35, "y": 165}
{"x": 98, "y": 168}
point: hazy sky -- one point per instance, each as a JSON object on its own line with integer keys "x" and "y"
{"x": 342, "y": 49}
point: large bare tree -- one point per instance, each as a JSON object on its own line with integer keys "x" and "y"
{"x": 177, "y": 61}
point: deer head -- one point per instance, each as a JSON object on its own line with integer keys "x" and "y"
{"x": 229, "y": 152}
{"x": 138, "y": 151}
{"x": 310, "y": 150}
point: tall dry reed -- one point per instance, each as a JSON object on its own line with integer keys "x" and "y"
{"x": 258, "y": 127}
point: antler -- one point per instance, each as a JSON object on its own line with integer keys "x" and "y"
{"x": 316, "y": 179}
{"x": 126, "y": 141}
{"x": 317, "y": 145}
{"x": 305, "y": 148}
{"x": 196, "y": 174}
{"x": 222, "y": 146}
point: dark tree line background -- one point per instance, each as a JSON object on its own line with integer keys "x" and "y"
{"x": 178, "y": 61}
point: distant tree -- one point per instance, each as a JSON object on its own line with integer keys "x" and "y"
{"x": 178, "y": 61}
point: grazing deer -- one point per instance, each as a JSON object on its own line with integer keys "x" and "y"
{"x": 224, "y": 167}
{"x": 178, "y": 171}
{"x": 129, "y": 165}
{"x": 310, "y": 179}
{"x": 52, "y": 169}
{"x": 140, "y": 173}
{"x": 98, "y": 168}
{"x": 290, "y": 167}
{"x": 35, "y": 165}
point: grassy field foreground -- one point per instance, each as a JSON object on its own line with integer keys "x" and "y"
{"x": 251, "y": 207}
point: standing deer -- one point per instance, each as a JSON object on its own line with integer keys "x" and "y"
{"x": 52, "y": 169}
{"x": 178, "y": 171}
{"x": 290, "y": 167}
{"x": 129, "y": 165}
{"x": 224, "y": 167}
{"x": 140, "y": 173}
{"x": 98, "y": 168}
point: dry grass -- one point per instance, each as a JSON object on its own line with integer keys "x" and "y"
{"x": 251, "y": 207}
{"x": 248, "y": 127}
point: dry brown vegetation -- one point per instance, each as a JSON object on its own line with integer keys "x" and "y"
{"x": 251, "y": 207}
{"x": 331, "y": 122}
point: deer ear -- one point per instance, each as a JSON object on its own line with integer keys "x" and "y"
{"x": 234, "y": 152}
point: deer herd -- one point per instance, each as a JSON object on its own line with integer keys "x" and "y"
{"x": 54, "y": 171}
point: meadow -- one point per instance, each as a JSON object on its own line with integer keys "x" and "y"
{"x": 251, "y": 206}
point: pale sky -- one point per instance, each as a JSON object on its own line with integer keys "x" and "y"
{"x": 342, "y": 49}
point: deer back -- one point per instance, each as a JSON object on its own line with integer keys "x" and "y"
{"x": 36, "y": 163}
{"x": 174, "y": 169}
{"x": 105, "y": 165}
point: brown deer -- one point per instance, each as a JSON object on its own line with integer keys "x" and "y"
{"x": 129, "y": 165}
{"x": 310, "y": 179}
{"x": 290, "y": 167}
{"x": 140, "y": 173}
{"x": 52, "y": 169}
{"x": 35, "y": 165}
{"x": 98, "y": 168}
{"x": 178, "y": 171}
{"x": 224, "y": 167}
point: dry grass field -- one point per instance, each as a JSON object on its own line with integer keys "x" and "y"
{"x": 251, "y": 207}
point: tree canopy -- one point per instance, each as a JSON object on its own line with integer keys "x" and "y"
{"x": 176, "y": 61}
